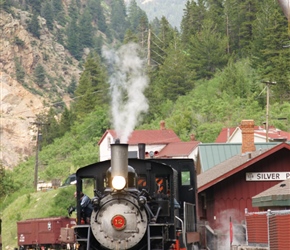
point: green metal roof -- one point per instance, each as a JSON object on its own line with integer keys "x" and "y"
{"x": 212, "y": 154}
{"x": 278, "y": 195}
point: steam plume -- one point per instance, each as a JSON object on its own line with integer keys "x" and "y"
{"x": 128, "y": 82}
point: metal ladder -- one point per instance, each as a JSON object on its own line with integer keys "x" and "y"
{"x": 87, "y": 234}
{"x": 159, "y": 237}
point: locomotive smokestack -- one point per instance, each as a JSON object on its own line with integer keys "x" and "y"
{"x": 119, "y": 159}
{"x": 141, "y": 150}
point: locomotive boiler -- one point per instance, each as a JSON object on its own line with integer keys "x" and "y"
{"x": 139, "y": 203}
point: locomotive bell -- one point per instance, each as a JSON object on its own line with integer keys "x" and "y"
{"x": 119, "y": 164}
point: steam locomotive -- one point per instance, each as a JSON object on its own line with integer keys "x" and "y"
{"x": 139, "y": 203}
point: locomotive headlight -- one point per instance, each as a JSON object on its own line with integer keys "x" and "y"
{"x": 118, "y": 182}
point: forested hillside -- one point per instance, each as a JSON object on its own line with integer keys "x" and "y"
{"x": 172, "y": 10}
{"x": 209, "y": 75}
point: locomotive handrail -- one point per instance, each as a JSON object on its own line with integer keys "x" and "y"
{"x": 154, "y": 219}
{"x": 183, "y": 232}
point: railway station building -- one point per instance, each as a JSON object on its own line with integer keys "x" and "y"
{"x": 237, "y": 183}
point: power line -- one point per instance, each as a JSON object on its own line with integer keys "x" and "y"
{"x": 53, "y": 104}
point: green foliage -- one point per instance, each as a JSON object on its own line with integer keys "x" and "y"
{"x": 176, "y": 79}
{"x": 238, "y": 79}
{"x": 47, "y": 13}
{"x": 33, "y": 205}
{"x": 73, "y": 39}
{"x": 6, "y": 181}
{"x": 20, "y": 73}
{"x": 18, "y": 41}
{"x": 49, "y": 127}
{"x": 194, "y": 15}
{"x": 58, "y": 12}
{"x": 36, "y": 5}
{"x": 270, "y": 58}
{"x": 62, "y": 201}
{"x": 93, "y": 87}
{"x": 97, "y": 13}
{"x": 86, "y": 30}
{"x": 207, "y": 51}
{"x": 4, "y": 5}
{"x": 66, "y": 121}
{"x": 33, "y": 26}
{"x": 40, "y": 75}
{"x": 119, "y": 23}
{"x": 135, "y": 15}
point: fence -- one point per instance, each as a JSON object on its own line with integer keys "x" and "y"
{"x": 271, "y": 228}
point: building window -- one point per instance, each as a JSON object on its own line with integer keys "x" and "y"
{"x": 185, "y": 178}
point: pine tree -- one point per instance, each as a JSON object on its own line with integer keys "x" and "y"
{"x": 58, "y": 11}
{"x": 161, "y": 36}
{"x": 73, "y": 40}
{"x": 50, "y": 128}
{"x": 40, "y": 75}
{"x": 47, "y": 13}
{"x": 4, "y": 5}
{"x": 270, "y": 57}
{"x": 33, "y": 26}
{"x": 248, "y": 11}
{"x": 215, "y": 12}
{"x": 207, "y": 51}
{"x": 97, "y": 13}
{"x": 135, "y": 16}
{"x": 119, "y": 22}
{"x": 93, "y": 88}
{"x": 36, "y": 5}
{"x": 66, "y": 121}
{"x": 130, "y": 37}
{"x": 86, "y": 30}
{"x": 194, "y": 15}
{"x": 175, "y": 76}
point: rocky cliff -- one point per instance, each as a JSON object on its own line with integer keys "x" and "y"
{"x": 20, "y": 102}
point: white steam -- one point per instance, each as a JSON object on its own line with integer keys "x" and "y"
{"x": 128, "y": 82}
{"x": 223, "y": 227}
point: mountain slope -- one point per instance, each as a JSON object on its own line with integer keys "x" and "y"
{"x": 22, "y": 97}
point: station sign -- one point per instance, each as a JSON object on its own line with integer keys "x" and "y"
{"x": 267, "y": 176}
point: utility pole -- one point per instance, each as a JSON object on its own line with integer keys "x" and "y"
{"x": 268, "y": 83}
{"x": 149, "y": 48}
{"x": 38, "y": 139}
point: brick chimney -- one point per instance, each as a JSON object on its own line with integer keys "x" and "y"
{"x": 162, "y": 125}
{"x": 247, "y": 127}
{"x": 192, "y": 137}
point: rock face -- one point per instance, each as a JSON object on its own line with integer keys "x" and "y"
{"x": 21, "y": 101}
{"x": 18, "y": 108}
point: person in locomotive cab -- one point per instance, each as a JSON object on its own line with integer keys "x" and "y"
{"x": 86, "y": 207}
{"x": 176, "y": 204}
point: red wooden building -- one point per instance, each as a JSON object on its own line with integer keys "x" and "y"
{"x": 226, "y": 190}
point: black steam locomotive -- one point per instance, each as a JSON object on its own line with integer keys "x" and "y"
{"x": 139, "y": 203}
